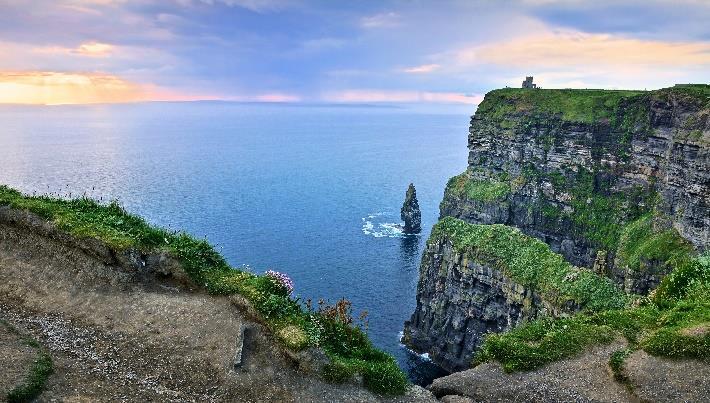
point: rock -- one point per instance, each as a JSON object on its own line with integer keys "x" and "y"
{"x": 456, "y": 399}
{"x": 661, "y": 153}
{"x": 459, "y": 301}
{"x": 410, "y": 213}
{"x": 658, "y": 379}
{"x": 585, "y": 378}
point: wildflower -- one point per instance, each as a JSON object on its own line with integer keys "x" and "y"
{"x": 282, "y": 280}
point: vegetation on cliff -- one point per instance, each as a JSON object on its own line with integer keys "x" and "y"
{"x": 329, "y": 327}
{"x": 580, "y": 169}
{"x": 485, "y": 190}
{"x": 672, "y": 322}
{"x": 530, "y": 262}
{"x": 641, "y": 245}
{"x": 579, "y": 105}
{"x": 575, "y": 105}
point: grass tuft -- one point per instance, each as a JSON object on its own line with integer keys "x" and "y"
{"x": 33, "y": 385}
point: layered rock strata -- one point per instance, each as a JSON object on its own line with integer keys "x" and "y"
{"x": 617, "y": 182}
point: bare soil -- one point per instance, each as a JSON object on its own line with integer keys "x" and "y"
{"x": 586, "y": 378}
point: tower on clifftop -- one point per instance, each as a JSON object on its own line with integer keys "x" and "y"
{"x": 528, "y": 83}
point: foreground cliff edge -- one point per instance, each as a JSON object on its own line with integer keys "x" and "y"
{"x": 97, "y": 305}
{"x": 574, "y": 249}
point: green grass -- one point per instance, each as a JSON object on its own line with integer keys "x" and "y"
{"x": 675, "y": 322}
{"x": 641, "y": 246}
{"x": 530, "y": 262}
{"x": 616, "y": 363}
{"x": 574, "y": 105}
{"x": 38, "y": 374}
{"x": 295, "y": 326}
{"x": 33, "y": 385}
{"x": 485, "y": 190}
{"x": 582, "y": 105}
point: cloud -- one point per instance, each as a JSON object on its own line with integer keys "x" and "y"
{"x": 51, "y": 88}
{"x": 94, "y": 49}
{"x": 275, "y": 97}
{"x": 91, "y": 49}
{"x": 382, "y": 20}
{"x": 258, "y": 6}
{"x": 569, "y": 48}
{"x": 360, "y": 95}
{"x": 566, "y": 58}
{"x": 424, "y": 68}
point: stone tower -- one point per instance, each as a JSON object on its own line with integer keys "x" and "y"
{"x": 528, "y": 83}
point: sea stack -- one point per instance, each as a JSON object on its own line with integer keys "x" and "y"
{"x": 410, "y": 213}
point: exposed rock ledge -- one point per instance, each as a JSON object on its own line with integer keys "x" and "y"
{"x": 586, "y": 378}
{"x": 126, "y": 327}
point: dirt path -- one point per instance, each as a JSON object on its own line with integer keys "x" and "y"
{"x": 114, "y": 337}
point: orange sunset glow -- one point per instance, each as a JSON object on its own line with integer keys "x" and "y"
{"x": 55, "y": 88}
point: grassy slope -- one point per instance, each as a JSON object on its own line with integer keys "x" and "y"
{"x": 577, "y": 105}
{"x": 297, "y": 327}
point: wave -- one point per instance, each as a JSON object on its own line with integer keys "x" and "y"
{"x": 423, "y": 356}
{"x": 376, "y": 225}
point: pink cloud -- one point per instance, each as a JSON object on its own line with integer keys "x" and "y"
{"x": 403, "y": 96}
{"x": 423, "y": 69}
{"x": 276, "y": 97}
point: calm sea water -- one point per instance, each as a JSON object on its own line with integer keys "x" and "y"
{"x": 312, "y": 191}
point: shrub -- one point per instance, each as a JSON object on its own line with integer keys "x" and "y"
{"x": 293, "y": 337}
{"x": 338, "y": 372}
{"x": 282, "y": 282}
{"x": 385, "y": 377}
{"x": 616, "y": 363}
{"x": 540, "y": 342}
{"x": 640, "y": 244}
{"x": 692, "y": 279}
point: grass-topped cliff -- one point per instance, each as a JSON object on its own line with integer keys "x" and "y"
{"x": 295, "y": 325}
{"x": 594, "y": 200}
{"x": 579, "y": 105}
{"x": 674, "y": 322}
{"x": 530, "y": 263}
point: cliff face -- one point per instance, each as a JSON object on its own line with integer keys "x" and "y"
{"x": 572, "y": 168}
{"x": 460, "y": 302}
{"x": 615, "y": 182}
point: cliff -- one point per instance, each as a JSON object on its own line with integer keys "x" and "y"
{"x": 617, "y": 183}
{"x": 575, "y": 167}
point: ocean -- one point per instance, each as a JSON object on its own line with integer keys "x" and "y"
{"x": 310, "y": 190}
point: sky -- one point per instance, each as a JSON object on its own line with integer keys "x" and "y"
{"x": 414, "y": 51}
